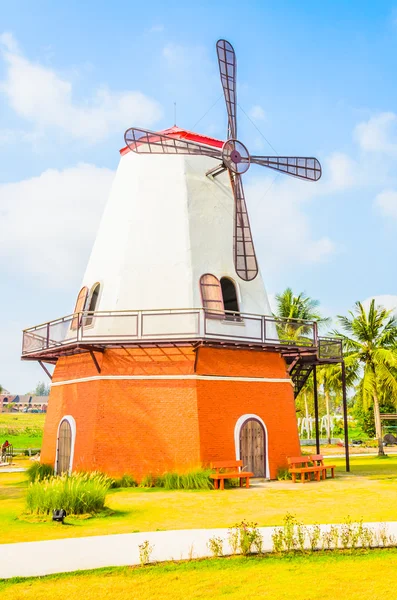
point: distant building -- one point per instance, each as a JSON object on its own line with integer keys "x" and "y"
{"x": 23, "y": 403}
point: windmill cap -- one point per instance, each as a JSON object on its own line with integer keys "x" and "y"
{"x": 179, "y": 133}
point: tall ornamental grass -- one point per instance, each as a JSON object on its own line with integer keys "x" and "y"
{"x": 199, "y": 479}
{"x": 38, "y": 471}
{"x": 78, "y": 493}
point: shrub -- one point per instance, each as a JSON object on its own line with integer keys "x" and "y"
{"x": 79, "y": 493}
{"x": 215, "y": 544}
{"x": 125, "y": 481}
{"x": 246, "y": 538}
{"x": 283, "y": 474}
{"x": 145, "y": 552}
{"x": 38, "y": 471}
{"x": 148, "y": 481}
{"x": 199, "y": 479}
{"x": 294, "y": 536}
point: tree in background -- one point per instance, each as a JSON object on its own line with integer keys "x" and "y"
{"x": 370, "y": 348}
{"x": 42, "y": 389}
{"x": 330, "y": 379}
{"x": 291, "y": 307}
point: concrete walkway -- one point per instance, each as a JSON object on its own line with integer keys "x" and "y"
{"x": 7, "y": 469}
{"x": 60, "y": 556}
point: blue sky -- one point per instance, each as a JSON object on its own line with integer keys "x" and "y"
{"x": 315, "y": 78}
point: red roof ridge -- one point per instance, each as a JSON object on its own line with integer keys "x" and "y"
{"x": 188, "y": 135}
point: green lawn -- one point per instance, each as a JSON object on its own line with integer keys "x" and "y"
{"x": 358, "y": 576}
{"x": 22, "y": 430}
{"x": 368, "y": 493}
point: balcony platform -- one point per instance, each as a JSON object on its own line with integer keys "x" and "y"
{"x": 95, "y": 332}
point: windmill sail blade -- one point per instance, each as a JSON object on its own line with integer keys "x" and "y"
{"x": 244, "y": 252}
{"x": 144, "y": 141}
{"x": 302, "y": 167}
{"x": 227, "y": 69}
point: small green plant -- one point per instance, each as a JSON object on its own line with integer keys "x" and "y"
{"x": 78, "y": 493}
{"x": 39, "y": 471}
{"x": 334, "y": 533}
{"x": 314, "y": 535}
{"x": 234, "y": 537}
{"x": 383, "y": 538}
{"x": 346, "y": 534}
{"x": 148, "y": 481}
{"x": 301, "y": 537}
{"x": 278, "y": 540}
{"x": 215, "y": 544}
{"x": 367, "y": 538}
{"x": 246, "y": 538}
{"x": 290, "y": 541}
{"x": 126, "y": 481}
{"x": 145, "y": 552}
{"x": 283, "y": 474}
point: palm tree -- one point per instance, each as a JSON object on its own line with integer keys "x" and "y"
{"x": 370, "y": 347}
{"x": 291, "y": 307}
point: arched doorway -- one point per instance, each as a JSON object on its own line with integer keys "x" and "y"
{"x": 253, "y": 447}
{"x": 64, "y": 450}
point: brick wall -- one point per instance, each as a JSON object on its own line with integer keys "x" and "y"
{"x": 150, "y": 426}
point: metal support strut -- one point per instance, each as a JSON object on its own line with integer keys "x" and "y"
{"x": 316, "y": 410}
{"x": 42, "y": 365}
{"x": 345, "y": 423}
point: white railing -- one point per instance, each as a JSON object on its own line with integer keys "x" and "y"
{"x": 129, "y": 327}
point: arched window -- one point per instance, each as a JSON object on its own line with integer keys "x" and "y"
{"x": 229, "y": 296}
{"x": 211, "y": 294}
{"x": 80, "y": 305}
{"x": 93, "y": 301}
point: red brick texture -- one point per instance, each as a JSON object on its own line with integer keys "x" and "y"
{"x": 148, "y": 426}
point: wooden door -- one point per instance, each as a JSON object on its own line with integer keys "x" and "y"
{"x": 252, "y": 447}
{"x": 64, "y": 447}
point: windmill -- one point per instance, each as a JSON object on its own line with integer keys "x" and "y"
{"x": 234, "y": 157}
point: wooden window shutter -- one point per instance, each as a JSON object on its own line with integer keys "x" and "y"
{"x": 80, "y": 305}
{"x": 94, "y": 294}
{"x": 211, "y": 293}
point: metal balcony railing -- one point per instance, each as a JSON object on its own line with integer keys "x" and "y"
{"x": 110, "y": 328}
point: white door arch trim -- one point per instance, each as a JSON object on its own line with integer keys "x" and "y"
{"x": 72, "y": 424}
{"x": 237, "y": 429}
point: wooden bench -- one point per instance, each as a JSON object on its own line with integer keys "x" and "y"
{"x": 229, "y": 469}
{"x": 300, "y": 465}
{"x": 318, "y": 461}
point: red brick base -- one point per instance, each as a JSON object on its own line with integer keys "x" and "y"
{"x": 142, "y": 426}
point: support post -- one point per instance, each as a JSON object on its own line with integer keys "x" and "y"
{"x": 45, "y": 369}
{"x": 316, "y": 409}
{"x": 98, "y": 368}
{"x": 345, "y": 422}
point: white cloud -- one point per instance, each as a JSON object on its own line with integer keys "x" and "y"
{"x": 388, "y": 301}
{"x": 49, "y": 222}
{"x": 8, "y": 41}
{"x": 378, "y": 134}
{"x": 282, "y": 230}
{"x": 16, "y": 136}
{"x": 386, "y": 202}
{"x": 45, "y": 99}
{"x": 342, "y": 171}
{"x": 257, "y": 113}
